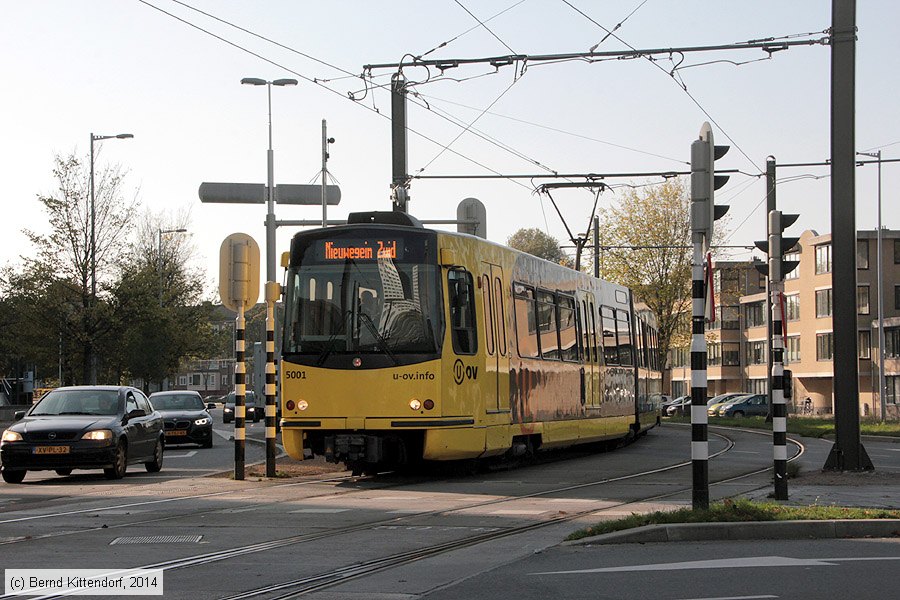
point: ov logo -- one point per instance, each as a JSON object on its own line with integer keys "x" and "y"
{"x": 462, "y": 372}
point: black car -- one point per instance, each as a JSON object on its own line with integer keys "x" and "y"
{"x": 252, "y": 411}
{"x": 84, "y": 427}
{"x": 185, "y": 417}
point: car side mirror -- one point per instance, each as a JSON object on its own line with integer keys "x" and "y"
{"x": 19, "y": 415}
{"x": 210, "y": 405}
{"x": 137, "y": 412}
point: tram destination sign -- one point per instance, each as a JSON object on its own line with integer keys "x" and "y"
{"x": 341, "y": 249}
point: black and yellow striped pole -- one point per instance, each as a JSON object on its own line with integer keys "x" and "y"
{"x": 238, "y": 289}
{"x": 273, "y": 292}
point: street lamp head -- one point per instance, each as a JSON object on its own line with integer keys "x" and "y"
{"x": 285, "y": 82}
{"x": 253, "y": 81}
{"x": 124, "y": 136}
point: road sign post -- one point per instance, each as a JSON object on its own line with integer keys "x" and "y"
{"x": 239, "y": 288}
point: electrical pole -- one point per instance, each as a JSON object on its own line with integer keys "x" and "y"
{"x": 847, "y": 452}
{"x": 400, "y": 178}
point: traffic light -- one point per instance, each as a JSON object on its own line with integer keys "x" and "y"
{"x": 779, "y": 246}
{"x": 704, "y": 183}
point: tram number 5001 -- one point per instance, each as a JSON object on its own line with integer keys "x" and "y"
{"x": 295, "y": 375}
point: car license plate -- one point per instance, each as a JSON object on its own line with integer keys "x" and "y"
{"x": 51, "y": 450}
{"x": 177, "y": 432}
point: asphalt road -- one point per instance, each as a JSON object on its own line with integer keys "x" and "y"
{"x": 216, "y": 537}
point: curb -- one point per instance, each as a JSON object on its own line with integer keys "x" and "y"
{"x": 751, "y": 530}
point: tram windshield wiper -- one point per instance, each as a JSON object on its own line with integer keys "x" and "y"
{"x": 379, "y": 339}
{"x": 329, "y": 345}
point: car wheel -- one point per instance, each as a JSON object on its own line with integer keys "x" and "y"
{"x": 14, "y": 476}
{"x": 208, "y": 443}
{"x": 738, "y": 414}
{"x": 155, "y": 465}
{"x": 64, "y": 472}
{"x": 226, "y": 420}
{"x": 120, "y": 463}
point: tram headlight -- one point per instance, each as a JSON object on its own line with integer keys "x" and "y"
{"x": 302, "y": 405}
{"x": 415, "y": 404}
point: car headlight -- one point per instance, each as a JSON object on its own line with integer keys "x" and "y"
{"x": 99, "y": 435}
{"x": 229, "y": 410}
{"x": 203, "y": 421}
{"x": 11, "y": 436}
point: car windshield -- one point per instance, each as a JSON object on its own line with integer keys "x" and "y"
{"x": 249, "y": 399}
{"x": 176, "y": 402}
{"x": 78, "y": 402}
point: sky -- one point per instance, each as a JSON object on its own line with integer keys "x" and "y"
{"x": 73, "y": 68}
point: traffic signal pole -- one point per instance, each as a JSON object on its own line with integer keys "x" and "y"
{"x": 776, "y": 390}
{"x": 704, "y": 213}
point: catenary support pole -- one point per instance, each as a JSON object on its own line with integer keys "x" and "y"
{"x": 770, "y": 206}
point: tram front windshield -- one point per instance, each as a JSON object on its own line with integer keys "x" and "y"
{"x": 363, "y": 293}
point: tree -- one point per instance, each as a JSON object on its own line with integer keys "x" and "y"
{"x": 536, "y": 242}
{"x": 64, "y": 260}
{"x": 646, "y": 242}
{"x": 157, "y": 305}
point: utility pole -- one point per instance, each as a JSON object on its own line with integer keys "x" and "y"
{"x": 848, "y": 452}
{"x": 770, "y": 206}
{"x": 325, "y": 142}
{"x": 400, "y": 177}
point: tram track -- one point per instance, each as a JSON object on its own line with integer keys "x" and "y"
{"x": 305, "y": 585}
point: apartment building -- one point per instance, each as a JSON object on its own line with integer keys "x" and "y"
{"x": 738, "y": 343}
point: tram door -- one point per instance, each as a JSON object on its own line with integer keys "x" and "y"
{"x": 591, "y": 356}
{"x": 496, "y": 384}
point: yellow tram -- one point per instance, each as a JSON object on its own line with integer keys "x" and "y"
{"x": 404, "y": 344}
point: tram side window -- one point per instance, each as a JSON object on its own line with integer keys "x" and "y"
{"x": 526, "y": 321}
{"x": 462, "y": 311}
{"x": 625, "y": 346}
{"x": 568, "y": 332}
{"x": 610, "y": 340}
{"x": 546, "y": 315}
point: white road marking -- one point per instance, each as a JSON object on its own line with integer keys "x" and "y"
{"x": 396, "y": 498}
{"x": 188, "y": 455}
{"x": 733, "y": 598}
{"x": 319, "y": 510}
{"x": 725, "y": 563}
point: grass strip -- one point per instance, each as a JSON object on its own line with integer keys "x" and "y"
{"x": 736, "y": 511}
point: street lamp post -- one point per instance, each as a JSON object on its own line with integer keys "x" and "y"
{"x": 96, "y": 138}
{"x": 159, "y": 257}
{"x": 270, "y": 196}
{"x": 878, "y": 276}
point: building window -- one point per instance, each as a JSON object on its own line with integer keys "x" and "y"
{"x": 758, "y": 386}
{"x": 862, "y": 254}
{"x": 196, "y": 379}
{"x": 795, "y": 274}
{"x": 731, "y": 354}
{"x": 730, "y": 317}
{"x": 897, "y": 252}
{"x": 792, "y": 307}
{"x": 892, "y": 388}
{"x": 862, "y": 299}
{"x": 713, "y": 354}
{"x": 892, "y": 342}
{"x": 897, "y": 297}
{"x": 824, "y": 346}
{"x": 865, "y": 345}
{"x": 823, "y": 259}
{"x": 211, "y": 380}
{"x": 182, "y": 380}
{"x": 823, "y": 303}
{"x": 792, "y": 349}
{"x": 755, "y": 314}
{"x": 756, "y": 353}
